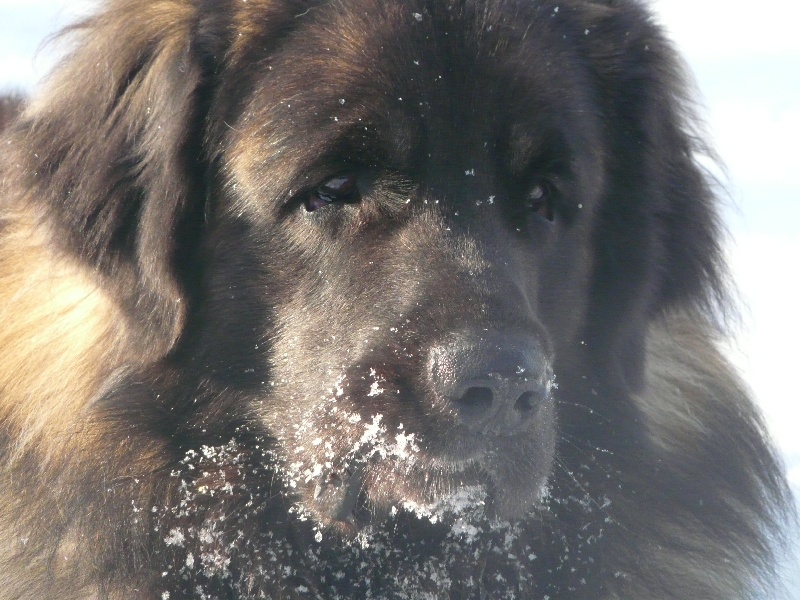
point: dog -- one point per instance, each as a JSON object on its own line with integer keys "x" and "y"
{"x": 9, "y": 108}
{"x": 371, "y": 299}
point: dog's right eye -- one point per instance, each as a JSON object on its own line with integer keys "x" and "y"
{"x": 540, "y": 202}
{"x": 342, "y": 188}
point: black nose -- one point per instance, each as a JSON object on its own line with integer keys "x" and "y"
{"x": 494, "y": 382}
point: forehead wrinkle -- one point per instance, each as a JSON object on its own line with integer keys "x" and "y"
{"x": 297, "y": 122}
{"x": 318, "y": 120}
{"x": 271, "y": 159}
{"x": 351, "y": 46}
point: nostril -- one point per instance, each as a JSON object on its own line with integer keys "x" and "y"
{"x": 495, "y": 384}
{"x": 476, "y": 400}
{"x": 526, "y": 403}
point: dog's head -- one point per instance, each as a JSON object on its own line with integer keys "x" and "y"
{"x": 382, "y": 231}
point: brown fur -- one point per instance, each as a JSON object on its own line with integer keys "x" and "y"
{"x": 50, "y": 373}
{"x": 221, "y": 376}
{"x": 10, "y": 107}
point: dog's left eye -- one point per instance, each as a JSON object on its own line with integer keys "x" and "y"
{"x": 342, "y": 188}
{"x": 539, "y": 201}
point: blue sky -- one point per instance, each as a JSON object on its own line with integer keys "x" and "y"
{"x": 746, "y": 62}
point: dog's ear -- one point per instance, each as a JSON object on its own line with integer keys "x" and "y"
{"x": 657, "y": 246}
{"x": 113, "y": 153}
{"x": 656, "y": 175}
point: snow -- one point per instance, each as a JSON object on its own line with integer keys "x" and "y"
{"x": 175, "y": 538}
{"x": 466, "y": 501}
{"x": 746, "y": 60}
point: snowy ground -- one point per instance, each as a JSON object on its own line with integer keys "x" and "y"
{"x": 747, "y": 66}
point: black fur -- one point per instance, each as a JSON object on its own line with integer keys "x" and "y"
{"x": 285, "y": 416}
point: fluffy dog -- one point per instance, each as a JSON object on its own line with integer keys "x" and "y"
{"x": 9, "y": 108}
{"x": 370, "y": 299}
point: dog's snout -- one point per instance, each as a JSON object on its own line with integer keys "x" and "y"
{"x": 494, "y": 383}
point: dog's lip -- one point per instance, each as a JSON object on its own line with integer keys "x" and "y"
{"x": 344, "y": 505}
{"x": 340, "y": 499}
{"x": 466, "y": 449}
{"x": 336, "y": 494}
{"x": 364, "y": 488}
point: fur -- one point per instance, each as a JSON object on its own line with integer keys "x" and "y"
{"x": 271, "y": 273}
{"x": 9, "y": 108}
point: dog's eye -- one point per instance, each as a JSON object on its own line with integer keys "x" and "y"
{"x": 540, "y": 202}
{"x": 342, "y": 188}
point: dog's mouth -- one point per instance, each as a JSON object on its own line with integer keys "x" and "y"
{"x": 375, "y": 446}
{"x": 383, "y": 475}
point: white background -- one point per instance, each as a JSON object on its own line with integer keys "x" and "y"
{"x": 746, "y": 61}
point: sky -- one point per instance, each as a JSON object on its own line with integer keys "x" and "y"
{"x": 746, "y": 62}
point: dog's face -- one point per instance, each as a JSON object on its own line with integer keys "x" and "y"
{"x": 402, "y": 243}
{"x": 372, "y": 287}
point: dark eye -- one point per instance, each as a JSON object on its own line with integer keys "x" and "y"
{"x": 539, "y": 201}
{"x": 342, "y": 188}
